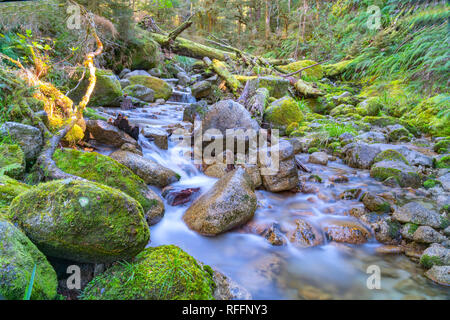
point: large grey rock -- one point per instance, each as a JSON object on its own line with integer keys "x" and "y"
{"x": 158, "y": 136}
{"x": 397, "y": 132}
{"x": 278, "y": 87}
{"x": 416, "y": 212}
{"x": 183, "y": 78}
{"x": 426, "y": 234}
{"x": 136, "y": 73}
{"x": 435, "y": 254}
{"x": 318, "y": 158}
{"x": 286, "y": 176}
{"x": 227, "y": 114}
{"x": 29, "y": 138}
{"x": 439, "y": 274}
{"x": 372, "y": 137}
{"x": 201, "y": 89}
{"x": 106, "y": 133}
{"x": 230, "y": 203}
{"x": 445, "y": 181}
{"x": 148, "y": 170}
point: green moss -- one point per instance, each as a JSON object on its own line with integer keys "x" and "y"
{"x": 444, "y": 223}
{"x": 283, "y": 112}
{"x": 394, "y": 229}
{"x": 412, "y": 227}
{"x": 314, "y": 72}
{"x": 160, "y": 273}
{"x": 390, "y": 155}
{"x": 443, "y": 162}
{"x": 429, "y": 261}
{"x": 312, "y": 150}
{"x": 102, "y": 169}
{"x": 382, "y": 121}
{"x": 17, "y": 260}
{"x": 161, "y": 88}
{"x": 92, "y": 114}
{"x": 442, "y": 146}
{"x": 9, "y": 189}
{"x": 81, "y": 221}
{"x": 430, "y": 183}
{"x": 12, "y": 160}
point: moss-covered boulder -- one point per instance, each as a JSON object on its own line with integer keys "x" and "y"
{"x": 27, "y": 137}
{"x": 18, "y": 256}
{"x": 107, "y": 92}
{"x": 105, "y": 170}
{"x": 278, "y": 87}
{"x": 12, "y": 160}
{"x": 336, "y": 69}
{"x": 145, "y": 52}
{"x": 140, "y": 92}
{"x": 307, "y": 89}
{"x": 230, "y": 203}
{"x": 282, "y": 112}
{"x": 315, "y": 72}
{"x": 159, "y": 273}
{"x": 442, "y": 162}
{"x": 161, "y": 88}
{"x": 405, "y": 175}
{"x": 81, "y": 221}
{"x": 442, "y": 146}
{"x": 9, "y": 189}
{"x": 390, "y": 155}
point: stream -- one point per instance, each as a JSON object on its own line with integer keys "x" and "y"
{"x": 330, "y": 271}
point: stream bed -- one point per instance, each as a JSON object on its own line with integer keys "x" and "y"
{"x": 329, "y": 271}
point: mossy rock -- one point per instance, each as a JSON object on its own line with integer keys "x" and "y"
{"x": 336, "y": 69}
{"x": 159, "y": 273}
{"x": 12, "y": 160}
{"x": 18, "y": 256}
{"x": 107, "y": 92}
{"x": 314, "y": 72}
{"x": 9, "y": 189}
{"x": 145, "y": 52}
{"x": 95, "y": 167}
{"x": 442, "y": 146}
{"x": 390, "y": 155}
{"x": 382, "y": 121}
{"x": 161, "y": 88}
{"x": 81, "y": 221}
{"x": 431, "y": 183}
{"x": 405, "y": 175}
{"x": 278, "y": 87}
{"x": 281, "y": 113}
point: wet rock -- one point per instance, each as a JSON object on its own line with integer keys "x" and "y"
{"x": 305, "y": 235}
{"x": 439, "y": 274}
{"x": 389, "y": 249}
{"x": 338, "y": 179}
{"x": 201, "y": 89}
{"x": 275, "y": 236}
{"x": 158, "y": 136}
{"x": 375, "y": 203}
{"x": 278, "y": 87}
{"x": 227, "y": 289}
{"x": 417, "y": 213}
{"x": 27, "y": 137}
{"x": 18, "y": 257}
{"x": 81, "y": 221}
{"x": 195, "y": 110}
{"x": 132, "y": 148}
{"x": 435, "y": 254}
{"x": 148, "y": 170}
{"x": 386, "y": 230}
{"x": 426, "y": 234}
{"x": 390, "y": 155}
{"x": 140, "y": 92}
{"x": 360, "y": 155}
{"x": 230, "y": 203}
{"x": 405, "y": 175}
{"x": 345, "y": 231}
{"x": 286, "y": 177}
{"x": 109, "y": 134}
{"x": 183, "y": 79}
{"x": 161, "y": 88}
{"x": 319, "y": 158}
{"x": 350, "y": 194}
{"x": 177, "y": 196}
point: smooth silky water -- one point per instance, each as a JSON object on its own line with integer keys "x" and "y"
{"x": 330, "y": 271}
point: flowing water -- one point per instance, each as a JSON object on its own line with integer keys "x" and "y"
{"x": 330, "y": 271}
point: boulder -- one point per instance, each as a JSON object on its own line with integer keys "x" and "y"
{"x": 227, "y": 114}
{"x": 12, "y": 160}
{"x": 406, "y": 176}
{"x": 18, "y": 257}
{"x": 439, "y": 274}
{"x": 140, "y": 92}
{"x": 278, "y": 87}
{"x": 318, "y": 158}
{"x": 105, "y": 170}
{"x": 426, "y": 234}
{"x": 285, "y": 177}
{"x": 397, "y": 132}
{"x": 137, "y": 73}
{"x": 372, "y": 137}
{"x": 159, "y": 273}
{"x": 201, "y": 89}
{"x": 27, "y": 137}
{"x": 158, "y": 136}
{"x": 81, "y": 221}
{"x": 435, "y": 254}
{"x": 161, "y": 88}
{"x": 305, "y": 235}
{"x": 108, "y": 91}
{"x": 106, "y": 133}
{"x": 183, "y": 78}
{"x": 230, "y": 203}
{"x": 9, "y": 189}
{"x": 282, "y": 112}
{"x": 375, "y": 203}
{"x": 148, "y": 170}
{"x": 418, "y": 213}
